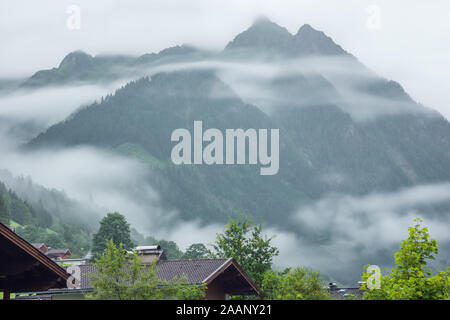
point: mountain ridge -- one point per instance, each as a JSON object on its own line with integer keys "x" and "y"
{"x": 324, "y": 148}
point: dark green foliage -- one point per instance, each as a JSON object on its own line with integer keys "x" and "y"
{"x": 411, "y": 278}
{"x": 171, "y": 249}
{"x": 21, "y": 212}
{"x": 243, "y": 241}
{"x": 79, "y": 243}
{"x": 196, "y": 251}
{"x": 113, "y": 227}
{"x": 294, "y": 284}
{"x": 316, "y": 142}
{"x": 62, "y": 209}
{"x": 54, "y": 240}
{"x": 138, "y": 120}
{"x": 37, "y": 224}
{"x": 121, "y": 276}
{"x": 32, "y": 233}
{"x": 4, "y": 211}
{"x": 324, "y": 148}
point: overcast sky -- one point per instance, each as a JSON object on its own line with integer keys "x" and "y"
{"x": 411, "y": 44}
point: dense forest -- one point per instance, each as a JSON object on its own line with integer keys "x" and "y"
{"x": 344, "y": 132}
{"x": 48, "y": 218}
{"x": 137, "y": 121}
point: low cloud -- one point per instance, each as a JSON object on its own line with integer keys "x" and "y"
{"x": 26, "y": 112}
{"x": 304, "y": 82}
{"x": 339, "y": 234}
{"x": 92, "y": 175}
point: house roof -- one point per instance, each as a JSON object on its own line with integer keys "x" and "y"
{"x": 38, "y": 245}
{"x": 55, "y": 253}
{"x": 196, "y": 271}
{"x": 155, "y": 247}
{"x": 341, "y": 293}
{"x": 151, "y": 250}
{"x": 24, "y": 267}
{"x": 347, "y": 293}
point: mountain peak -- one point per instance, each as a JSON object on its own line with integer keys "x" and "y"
{"x": 306, "y": 28}
{"x": 76, "y": 59}
{"x": 263, "y": 20}
{"x": 309, "y": 41}
{"x": 262, "y": 34}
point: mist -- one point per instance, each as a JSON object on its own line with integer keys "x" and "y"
{"x": 352, "y": 231}
{"x": 24, "y": 113}
{"x": 356, "y": 231}
{"x": 137, "y": 28}
{"x": 306, "y": 82}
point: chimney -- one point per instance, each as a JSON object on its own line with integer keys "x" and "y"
{"x": 150, "y": 253}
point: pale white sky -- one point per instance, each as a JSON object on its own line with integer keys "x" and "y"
{"x": 411, "y": 46}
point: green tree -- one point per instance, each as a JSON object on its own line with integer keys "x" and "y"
{"x": 121, "y": 276}
{"x": 196, "y": 251}
{"x": 293, "y": 284}
{"x": 4, "y": 211}
{"x": 411, "y": 279}
{"x": 54, "y": 240}
{"x": 243, "y": 240}
{"x": 171, "y": 249}
{"x": 32, "y": 233}
{"x": 113, "y": 226}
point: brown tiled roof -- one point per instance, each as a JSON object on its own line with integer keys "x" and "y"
{"x": 57, "y": 251}
{"x": 196, "y": 271}
{"x": 85, "y": 270}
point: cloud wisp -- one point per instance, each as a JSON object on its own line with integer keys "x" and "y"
{"x": 350, "y": 232}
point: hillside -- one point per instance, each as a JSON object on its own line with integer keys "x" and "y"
{"x": 343, "y": 131}
{"x": 139, "y": 119}
{"x": 42, "y": 215}
{"x": 322, "y": 148}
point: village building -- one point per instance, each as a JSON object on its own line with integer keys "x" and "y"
{"x": 27, "y": 269}
{"x": 57, "y": 254}
{"x": 41, "y": 247}
{"x": 24, "y": 268}
{"x": 223, "y": 277}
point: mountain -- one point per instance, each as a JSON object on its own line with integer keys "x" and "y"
{"x": 309, "y": 41}
{"x": 139, "y": 119}
{"x": 264, "y": 36}
{"x": 343, "y": 130}
{"x": 404, "y": 146}
{"x": 268, "y": 40}
{"x": 322, "y": 148}
{"x": 42, "y": 215}
{"x": 80, "y": 67}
